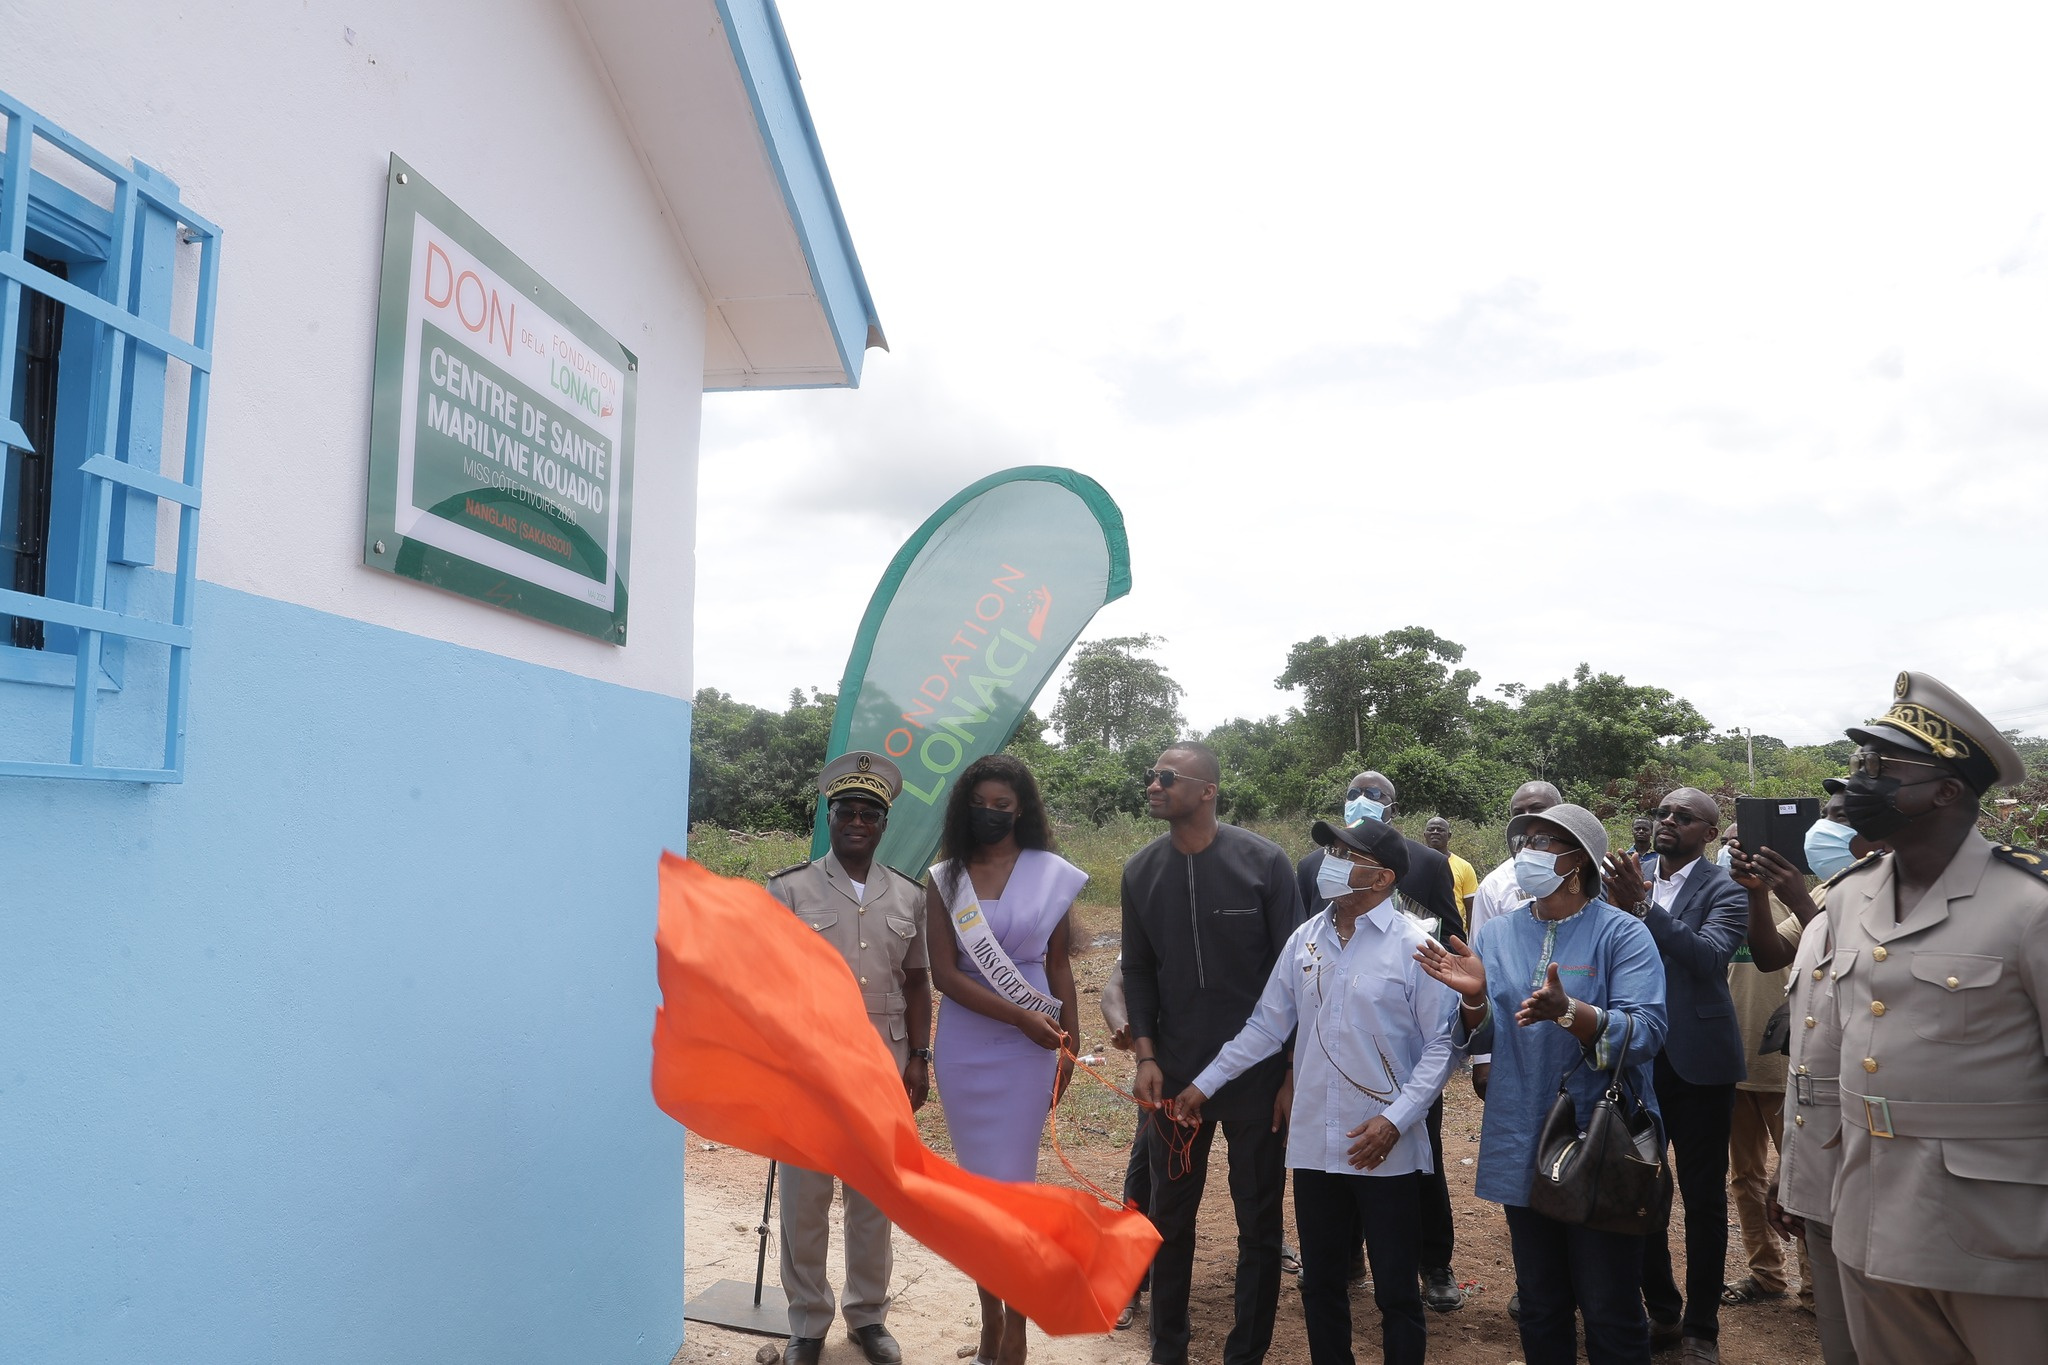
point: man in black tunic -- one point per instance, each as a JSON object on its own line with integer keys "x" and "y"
{"x": 1207, "y": 909}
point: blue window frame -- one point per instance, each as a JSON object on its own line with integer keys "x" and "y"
{"x": 126, "y": 244}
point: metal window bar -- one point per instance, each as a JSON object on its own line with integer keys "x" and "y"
{"x": 124, "y": 331}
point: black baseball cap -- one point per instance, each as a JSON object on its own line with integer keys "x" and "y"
{"x": 1380, "y": 842}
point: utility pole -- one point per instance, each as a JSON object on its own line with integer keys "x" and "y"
{"x": 1749, "y": 744}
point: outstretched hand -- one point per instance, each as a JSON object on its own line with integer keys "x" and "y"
{"x": 1548, "y": 1003}
{"x": 1622, "y": 879}
{"x": 1457, "y": 966}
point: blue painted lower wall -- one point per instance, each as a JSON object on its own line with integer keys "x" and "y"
{"x": 338, "y": 1051}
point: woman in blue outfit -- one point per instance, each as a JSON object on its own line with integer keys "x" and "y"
{"x": 1560, "y": 980}
{"x": 996, "y": 911}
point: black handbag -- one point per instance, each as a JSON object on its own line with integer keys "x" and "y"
{"x": 1611, "y": 1177}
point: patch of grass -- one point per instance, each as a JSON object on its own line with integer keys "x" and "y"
{"x": 736, "y": 853}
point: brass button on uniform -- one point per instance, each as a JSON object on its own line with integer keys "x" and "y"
{"x": 1870, "y": 1063}
{"x": 1953, "y": 983}
{"x": 1879, "y": 953}
{"x": 1816, "y": 973}
{"x": 1802, "y": 1070}
{"x": 1877, "y": 1007}
{"x": 863, "y": 945}
{"x": 1809, "y": 1024}
{"x": 1799, "y": 1120}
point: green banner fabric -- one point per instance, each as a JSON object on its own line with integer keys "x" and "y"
{"x": 973, "y": 615}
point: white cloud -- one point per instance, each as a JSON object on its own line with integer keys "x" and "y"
{"x": 1708, "y": 350}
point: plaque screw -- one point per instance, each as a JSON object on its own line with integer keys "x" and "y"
{"x": 378, "y": 547}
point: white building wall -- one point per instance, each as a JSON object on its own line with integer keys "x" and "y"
{"x": 277, "y": 119}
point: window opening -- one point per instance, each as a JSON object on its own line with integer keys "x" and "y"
{"x": 25, "y": 495}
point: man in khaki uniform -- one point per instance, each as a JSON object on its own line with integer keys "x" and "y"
{"x": 1940, "y": 989}
{"x": 1802, "y": 1204}
{"x": 874, "y": 916}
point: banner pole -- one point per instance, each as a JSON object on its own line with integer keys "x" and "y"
{"x": 761, "y": 1260}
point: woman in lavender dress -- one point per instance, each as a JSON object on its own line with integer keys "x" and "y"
{"x": 998, "y": 1064}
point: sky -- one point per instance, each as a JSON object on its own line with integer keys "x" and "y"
{"x": 1709, "y": 349}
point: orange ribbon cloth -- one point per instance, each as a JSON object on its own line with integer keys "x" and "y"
{"x": 763, "y": 1042}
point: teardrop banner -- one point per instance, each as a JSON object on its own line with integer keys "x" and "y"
{"x": 971, "y": 618}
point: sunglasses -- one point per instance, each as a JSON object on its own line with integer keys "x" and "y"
{"x": 1166, "y": 777}
{"x": 1543, "y": 842}
{"x": 1369, "y": 793}
{"x": 858, "y": 813}
{"x": 1870, "y": 763}
{"x": 1679, "y": 816}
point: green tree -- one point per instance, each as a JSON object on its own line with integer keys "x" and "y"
{"x": 1114, "y": 695}
{"x": 1378, "y": 694}
{"x": 753, "y": 769}
{"x": 1585, "y": 731}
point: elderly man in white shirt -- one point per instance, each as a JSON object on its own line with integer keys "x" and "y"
{"x": 1372, "y": 1051}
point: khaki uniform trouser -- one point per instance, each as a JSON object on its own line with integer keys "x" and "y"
{"x": 1758, "y": 1127}
{"x": 1829, "y": 1311}
{"x": 806, "y": 1201}
{"x": 1898, "y": 1324}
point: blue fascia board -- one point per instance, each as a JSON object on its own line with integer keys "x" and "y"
{"x": 767, "y": 68}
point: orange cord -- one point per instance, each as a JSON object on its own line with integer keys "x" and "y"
{"x": 1178, "y": 1137}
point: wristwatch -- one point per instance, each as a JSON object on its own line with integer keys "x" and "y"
{"x": 923, "y": 1054}
{"x": 1571, "y": 1012}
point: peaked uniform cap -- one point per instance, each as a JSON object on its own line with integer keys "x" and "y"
{"x": 1927, "y": 717}
{"x": 857, "y": 772}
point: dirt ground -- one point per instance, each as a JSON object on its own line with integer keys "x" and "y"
{"x": 934, "y": 1313}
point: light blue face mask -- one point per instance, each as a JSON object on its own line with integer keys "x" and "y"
{"x": 1536, "y": 873}
{"x": 1827, "y": 848}
{"x": 1363, "y": 808}
{"x": 1333, "y": 878}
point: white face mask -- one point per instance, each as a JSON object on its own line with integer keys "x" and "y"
{"x": 1537, "y": 874}
{"x": 1362, "y": 808}
{"x": 1333, "y": 878}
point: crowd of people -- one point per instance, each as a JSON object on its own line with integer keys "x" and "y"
{"x": 1644, "y": 1026}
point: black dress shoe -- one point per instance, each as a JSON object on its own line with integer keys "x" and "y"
{"x": 802, "y": 1350}
{"x": 1440, "y": 1290}
{"x": 876, "y": 1344}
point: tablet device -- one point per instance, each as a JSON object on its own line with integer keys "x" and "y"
{"x": 1778, "y": 822}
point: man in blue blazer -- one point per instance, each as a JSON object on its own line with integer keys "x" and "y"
{"x": 1699, "y": 916}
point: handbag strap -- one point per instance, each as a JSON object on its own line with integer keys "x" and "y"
{"x": 1614, "y": 1090}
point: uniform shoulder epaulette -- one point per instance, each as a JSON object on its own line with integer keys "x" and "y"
{"x": 906, "y": 877}
{"x": 2025, "y": 859}
{"x": 785, "y": 871}
{"x": 1856, "y": 866}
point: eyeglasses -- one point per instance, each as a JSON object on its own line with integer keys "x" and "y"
{"x": 1678, "y": 815}
{"x": 858, "y": 813}
{"x": 1871, "y": 763}
{"x": 1541, "y": 842}
{"x": 1369, "y": 793}
{"x": 1352, "y": 855}
{"x": 1166, "y": 777}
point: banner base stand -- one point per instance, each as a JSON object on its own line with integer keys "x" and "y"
{"x": 741, "y": 1306}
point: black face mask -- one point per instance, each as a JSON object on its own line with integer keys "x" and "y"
{"x": 990, "y": 826}
{"x": 1870, "y": 805}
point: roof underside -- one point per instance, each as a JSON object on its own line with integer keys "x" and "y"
{"x": 708, "y": 92}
